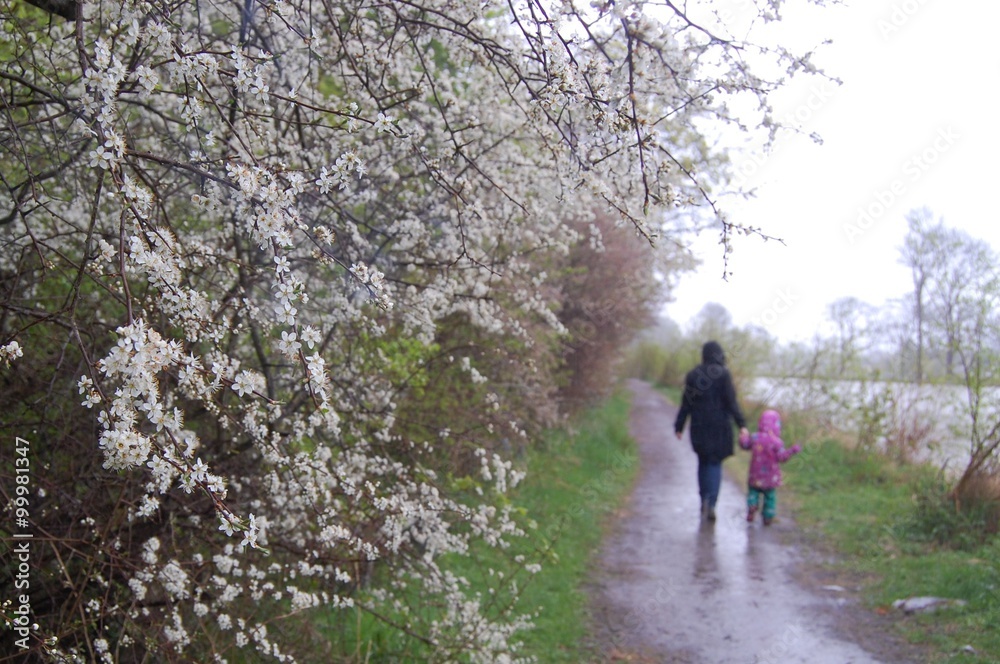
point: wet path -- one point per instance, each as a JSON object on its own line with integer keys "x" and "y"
{"x": 677, "y": 589}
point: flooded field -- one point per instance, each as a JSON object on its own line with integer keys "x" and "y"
{"x": 928, "y": 422}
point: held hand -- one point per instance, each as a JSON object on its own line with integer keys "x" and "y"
{"x": 744, "y": 433}
{"x": 680, "y": 434}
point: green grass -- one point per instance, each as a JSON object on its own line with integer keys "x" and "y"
{"x": 673, "y": 393}
{"x": 574, "y": 484}
{"x": 866, "y": 509}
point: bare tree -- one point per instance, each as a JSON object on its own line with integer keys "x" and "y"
{"x": 852, "y": 320}
{"x": 966, "y": 265}
{"x": 976, "y": 335}
{"x": 957, "y": 297}
{"x": 919, "y": 253}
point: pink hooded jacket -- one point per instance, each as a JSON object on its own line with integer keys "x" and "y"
{"x": 768, "y": 451}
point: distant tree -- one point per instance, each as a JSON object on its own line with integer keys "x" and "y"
{"x": 966, "y": 270}
{"x": 957, "y": 303}
{"x": 921, "y": 253}
{"x": 976, "y": 334}
{"x": 949, "y": 269}
{"x": 713, "y": 321}
{"x": 852, "y": 320}
{"x": 893, "y": 338}
{"x": 609, "y": 291}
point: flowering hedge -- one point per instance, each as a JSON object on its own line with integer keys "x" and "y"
{"x": 282, "y": 285}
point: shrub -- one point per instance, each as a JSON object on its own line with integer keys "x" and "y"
{"x": 938, "y": 519}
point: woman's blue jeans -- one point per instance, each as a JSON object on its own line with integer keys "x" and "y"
{"x": 709, "y": 480}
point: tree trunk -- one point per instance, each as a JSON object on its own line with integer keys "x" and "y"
{"x": 920, "y": 330}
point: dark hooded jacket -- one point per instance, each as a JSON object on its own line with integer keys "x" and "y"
{"x": 710, "y": 401}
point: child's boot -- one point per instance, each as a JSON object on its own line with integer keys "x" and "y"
{"x": 751, "y": 513}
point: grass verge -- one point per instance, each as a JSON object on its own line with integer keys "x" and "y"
{"x": 575, "y": 480}
{"x": 868, "y": 509}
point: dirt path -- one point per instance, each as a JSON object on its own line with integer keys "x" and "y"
{"x": 675, "y": 589}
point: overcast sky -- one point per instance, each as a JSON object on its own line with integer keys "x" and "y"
{"x": 914, "y": 124}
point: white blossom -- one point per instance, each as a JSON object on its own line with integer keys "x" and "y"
{"x": 383, "y": 123}
{"x": 10, "y": 352}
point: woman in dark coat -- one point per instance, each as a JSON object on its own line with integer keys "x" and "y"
{"x": 710, "y": 401}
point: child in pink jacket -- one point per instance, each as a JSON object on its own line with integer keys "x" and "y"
{"x": 769, "y": 453}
